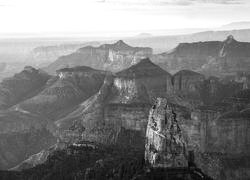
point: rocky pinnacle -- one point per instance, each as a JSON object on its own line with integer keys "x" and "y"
{"x": 165, "y": 146}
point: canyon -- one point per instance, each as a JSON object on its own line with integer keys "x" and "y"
{"x": 78, "y": 110}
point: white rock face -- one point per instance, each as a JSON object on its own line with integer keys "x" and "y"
{"x": 165, "y": 146}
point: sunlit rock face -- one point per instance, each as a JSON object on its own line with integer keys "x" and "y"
{"x": 245, "y": 79}
{"x": 165, "y": 146}
{"x": 112, "y": 57}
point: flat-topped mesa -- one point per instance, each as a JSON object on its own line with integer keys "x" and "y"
{"x": 165, "y": 146}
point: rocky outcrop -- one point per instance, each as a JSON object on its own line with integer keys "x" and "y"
{"x": 22, "y": 85}
{"x": 112, "y": 57}
{"x": 165, "y": 146}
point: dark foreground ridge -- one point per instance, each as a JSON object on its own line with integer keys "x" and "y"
{"x": 88, "y": 163}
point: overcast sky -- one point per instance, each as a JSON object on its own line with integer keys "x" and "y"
{"x": 102, "y": 16}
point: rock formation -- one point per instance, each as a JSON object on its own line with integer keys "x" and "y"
{"x": 122, "y": 104}
{"x": 43, "y": 55}
{"x": 69, "y": 88}
{"x": 210, "y": 57}
{"x": 165, "y": 146}
{"x": 112, "y": 57}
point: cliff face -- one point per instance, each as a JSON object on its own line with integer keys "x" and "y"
{"x": 112, "y": 57}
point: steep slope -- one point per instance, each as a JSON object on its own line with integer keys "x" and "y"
{"x": 22, "y": 85}
{"x": 21, "y": 135}
{"x": 113, "y": 57}
{"x": 212, "y": 57}
{"x": 75, "y": 163}
{"x": 27, "y": 127}
{"x": 62, "y": 93}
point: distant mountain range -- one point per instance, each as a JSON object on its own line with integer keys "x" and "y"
{"x": 113, "y": 57}
{"x": 209, "y": 57}
{"x": 236, "y": 26}
{"x": 161, "y": 44}
{"x": 17, "y": 53}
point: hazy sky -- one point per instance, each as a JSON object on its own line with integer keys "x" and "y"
{"x": 100, "y": 16}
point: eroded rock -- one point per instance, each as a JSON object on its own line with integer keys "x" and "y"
{"x": 165, "y": 145}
